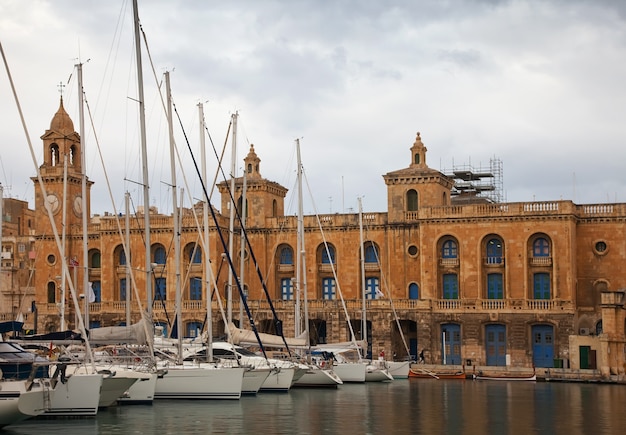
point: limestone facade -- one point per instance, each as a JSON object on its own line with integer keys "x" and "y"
{"x": 472, "y": 282}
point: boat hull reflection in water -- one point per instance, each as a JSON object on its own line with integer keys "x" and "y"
{"x": 407, "y": 406}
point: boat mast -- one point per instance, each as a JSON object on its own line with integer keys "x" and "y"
{"x": 175, "y": 215}
{"x": 242, "y": 247}
{"x": 127, "y": 239}
{"x": 364, "y": 307}
{"x": 207, "y": 263}
{"x": 231, "y": 226}
{"x": 144, "y": 161}
{"x": 83, "y": 195}
{"x": 63, "y": 244}
{"x": 301, "y": 258}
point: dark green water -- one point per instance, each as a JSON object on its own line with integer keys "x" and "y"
{"x": 401, "y": 407}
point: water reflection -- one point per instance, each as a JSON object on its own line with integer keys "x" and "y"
{"x": 422, "y": 406}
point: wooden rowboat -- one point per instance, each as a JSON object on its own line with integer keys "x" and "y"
{"x": 504, "y": 377}
{"x": 418, "y": 373}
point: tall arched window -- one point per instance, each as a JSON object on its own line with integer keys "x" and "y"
{"x": 122, "y": 258}
{"x": 54, "y": 155}
{"x": 414, "y": 291}
{"x": 95, "y": 260}
{"x": 195, "y": 254}
{"x": 494, "y": 251}
{"x": 449, "y": 249}
{"x": 159, "y": 255}
{"x": 52, "y": 292}
{"x": 541, "y": 247}
{"x": 371, "y": 253}
{"x": 328, "y": 255}
{"x": 411, "y": 200}
{"x": 286, "y": 255}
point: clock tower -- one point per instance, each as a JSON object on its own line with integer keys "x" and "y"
{"x": 61, "y": 173}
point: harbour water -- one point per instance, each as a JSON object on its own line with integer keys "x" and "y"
{"x": 401, "y": 407}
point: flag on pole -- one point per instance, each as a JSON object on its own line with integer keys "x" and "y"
{"x": 73, "y": 262}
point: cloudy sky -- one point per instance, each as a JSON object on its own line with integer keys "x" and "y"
{"x": 537, "y": 85}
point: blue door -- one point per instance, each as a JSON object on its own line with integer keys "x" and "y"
{"x": 451, "y": 337}
{"x": 543, "y": 345}
{"x": 495, "y": 341}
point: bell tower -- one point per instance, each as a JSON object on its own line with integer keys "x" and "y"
{"x": 417, "y": 186}
{"x": 61, "y": 173}
{"x": 264, "y": 198}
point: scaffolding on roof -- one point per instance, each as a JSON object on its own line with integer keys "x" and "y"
{"x": 477, "y": 183}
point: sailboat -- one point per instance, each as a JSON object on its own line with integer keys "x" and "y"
{"x": 191, "y": 379}
{"x": 320, "y": 372}
{"x": 80, "y": 394}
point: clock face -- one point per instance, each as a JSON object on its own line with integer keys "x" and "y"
{"x": 78, "y": 205}
{"x": 52, "y": 202}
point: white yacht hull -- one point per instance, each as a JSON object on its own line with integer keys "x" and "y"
{"x": 78, "y": 396}
{"x": 399, "y": 369}
{"x": 17, "y": 404}
{"x": 142, "y": 391}
{"x": 253, "y": 380}
{"x": 350, "y": 371}
{"x": 317, "y": 377}
{"x": 199, "y": 382}
{"x": 280, "y": 379}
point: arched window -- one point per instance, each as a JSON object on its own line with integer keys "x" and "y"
{"x": 95, "y": 260}
{"x": 159, "y": 255}
{"x": 122, "y": 257}
{"x": 449, "y": 249}
{"x": 328, "y": 254}
{"x": 73, "y": 158}
{"x": 541, "y": 247}
{"x": 52, "y": 292}
{"x": 411, "y": 200}
{"x": 371, "y": 253}
{"x": 286, "y": 255}
{"x": 195, "y": 254}
{"x": 414, "y": 291}
{"x": 494, "y": 251}
{"x": 54, "y": 155}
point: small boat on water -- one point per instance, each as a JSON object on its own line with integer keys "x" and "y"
{"x": 419, "y": 373}
{"x": 479, "y": 376}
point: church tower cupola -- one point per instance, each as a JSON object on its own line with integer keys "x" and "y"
{"x": 252, "y": 163}
{"x": 418, "y": 153}
{"x": 62, "y": 142}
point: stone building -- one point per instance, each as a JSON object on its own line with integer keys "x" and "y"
{"x": 17, "y": 255}
{"x": 444, "y": 270}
